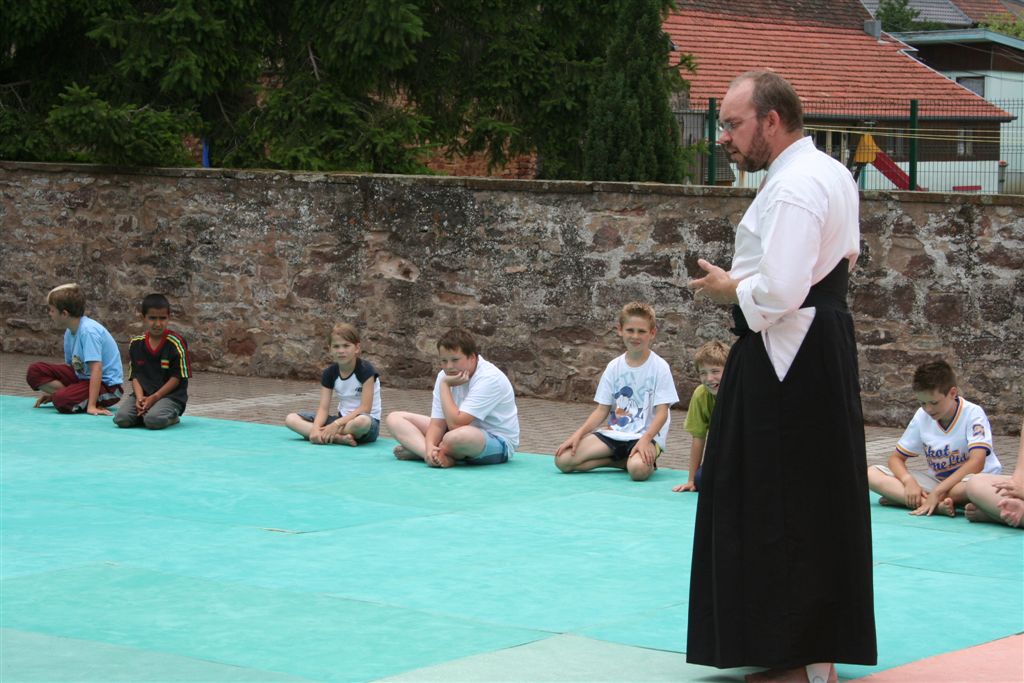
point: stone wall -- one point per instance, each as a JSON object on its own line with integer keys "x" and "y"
{"x": 258, "y": 266}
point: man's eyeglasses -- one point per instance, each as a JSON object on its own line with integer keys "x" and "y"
{"x": 730, "y": 126}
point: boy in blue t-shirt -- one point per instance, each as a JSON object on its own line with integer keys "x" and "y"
{"x": 90, "y": 379}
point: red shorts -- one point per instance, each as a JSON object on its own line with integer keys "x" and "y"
{"x": 74, "y": 397}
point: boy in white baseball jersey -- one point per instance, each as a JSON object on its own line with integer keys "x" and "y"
{"x": 952, "y": 434}
{"x": 628, "y": 427}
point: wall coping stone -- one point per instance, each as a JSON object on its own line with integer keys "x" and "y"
{"x": 496, "y": 184}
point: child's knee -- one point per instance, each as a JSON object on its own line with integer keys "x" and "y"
{"x": 156, "y": 422}
{"x": 123, "y": 420}
{"x": 565, "y": 462}
{"x": 36, "y": 375}
{"x": 360, "y": 425}
{"x": 67, "y": 400}
{"x": 638, "y": 469}
{"x": 875, "y": 476}
{"x": 160, "y": 416}
{"x": 979, "y": 484}
{"x": 456, "y": 438}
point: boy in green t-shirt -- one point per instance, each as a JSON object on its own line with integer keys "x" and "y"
{"x": 710, "y": 362}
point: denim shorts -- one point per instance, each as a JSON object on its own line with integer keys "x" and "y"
{"x": 369, "y": 437}
{"x": 495, "y": 451}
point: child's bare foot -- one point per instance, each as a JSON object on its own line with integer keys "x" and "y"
{"x": 345, "y": 439}
{"x": 441, "y": 460}
{"x": 975, "y": 514}
{"x": 947, "y": 507}
{"x": 403, "y": 453}
{"x": 885, "y": 502}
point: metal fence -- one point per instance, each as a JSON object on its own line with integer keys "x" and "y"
{"x": 934, "y": 145}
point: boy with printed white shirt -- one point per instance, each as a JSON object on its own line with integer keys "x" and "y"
{"x": 633, "y": 400}
{"x": 356, "y": 384}
{"x": 473, "y": 416}
{"x": 952, "y": 434}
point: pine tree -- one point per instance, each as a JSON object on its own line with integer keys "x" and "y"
{"x": 898, "y": 16}
{"x": 631, "y": 133}
{"x": 361, "y": 85}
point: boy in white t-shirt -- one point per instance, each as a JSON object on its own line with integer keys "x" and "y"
{"x": 628, "y": 427}
{"x": 473, "y": 417}
{"x": 952, "y": 434}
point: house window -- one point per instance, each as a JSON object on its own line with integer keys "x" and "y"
{"x": 894, "y": 144}
{"x": 965, "y": 142}
{"x": 975, "y": 84}
{"x": 832, "y": 142}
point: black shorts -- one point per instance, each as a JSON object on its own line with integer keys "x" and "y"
{"x": 622, "y": 449}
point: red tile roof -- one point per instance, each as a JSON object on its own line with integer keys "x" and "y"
{"x": 848, "y": 13}
{"x": 833, "y": 69}
{"x": 979, "y": 10}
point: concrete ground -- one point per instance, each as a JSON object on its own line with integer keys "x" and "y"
{"x": 544, "y": 423}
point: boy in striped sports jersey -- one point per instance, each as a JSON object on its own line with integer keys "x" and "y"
{"x": 158, "y": 368}
{"x": 952, "y": 434}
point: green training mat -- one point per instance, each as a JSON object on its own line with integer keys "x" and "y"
{"x": 228, "y": 551}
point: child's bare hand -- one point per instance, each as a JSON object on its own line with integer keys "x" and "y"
{"x": 1010, "y": 489}
{"x": 688, "y": 486}
{"x": 146, "y": 403}
{"x": 913, "y": 495}
{"x": 568, "y": 447}
{"x": 96, "y": 410}
{"x": 1011, "y": 511}
{"x": 43, "y": 400}
{"x": 927, "y": 506}
{"x": 647, "y": 452}
{"x": 458, "y": 379}
{"x": 317, "y": 436}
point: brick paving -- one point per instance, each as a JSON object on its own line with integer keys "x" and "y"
{"x": 544, "y": 423}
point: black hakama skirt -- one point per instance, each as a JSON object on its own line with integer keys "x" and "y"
{"x": 781, "y": 573}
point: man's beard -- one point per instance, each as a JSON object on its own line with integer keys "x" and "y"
{"x": 757, "y": 158}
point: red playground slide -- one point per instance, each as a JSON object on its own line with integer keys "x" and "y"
{"x": 868, "y": 152}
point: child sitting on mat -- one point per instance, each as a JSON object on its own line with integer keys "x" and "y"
{"x": 996, "y": 498}
{"x": 627, "y": 429}
{"x": 473, "y": 416}
{"x": 952, "y": 434}
{"x": 710, "y": 362}
{"x": 158, "y": 369}
{"x": 90, "y": 379}
{"x": 356, "y": 383}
